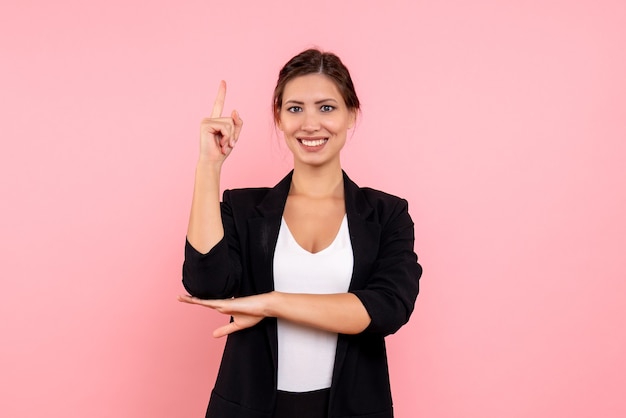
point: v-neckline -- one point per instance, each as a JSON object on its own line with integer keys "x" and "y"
{"x": 329, "y": 246}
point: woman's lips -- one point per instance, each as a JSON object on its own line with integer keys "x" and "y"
{"x": 313, "y": 142}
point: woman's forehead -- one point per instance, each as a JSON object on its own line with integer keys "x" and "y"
{"x": 311, "y": 87}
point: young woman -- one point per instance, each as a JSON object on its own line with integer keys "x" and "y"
{"x": 313, "y": 272}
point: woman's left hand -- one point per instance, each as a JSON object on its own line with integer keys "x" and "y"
{"x": 246, "y": 311}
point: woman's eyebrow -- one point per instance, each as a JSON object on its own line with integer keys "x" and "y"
{"x": 298, "y": 102}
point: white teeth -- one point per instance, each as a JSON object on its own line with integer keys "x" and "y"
{"x": 313, "y": 143}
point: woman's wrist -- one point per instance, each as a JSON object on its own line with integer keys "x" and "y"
{"x": 205, "y": 164}
{"x": 272, "y": 303}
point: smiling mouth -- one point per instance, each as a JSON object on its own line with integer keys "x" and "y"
{"x": 312, "y": 142}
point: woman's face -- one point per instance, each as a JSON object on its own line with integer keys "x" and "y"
{"x": 314, "y": 119}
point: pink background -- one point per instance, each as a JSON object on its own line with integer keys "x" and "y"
{"x": 502, "y": 122}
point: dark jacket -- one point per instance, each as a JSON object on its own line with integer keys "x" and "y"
{"x": 385, "y": 278}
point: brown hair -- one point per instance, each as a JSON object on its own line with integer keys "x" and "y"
{"x": 314, "y": 61}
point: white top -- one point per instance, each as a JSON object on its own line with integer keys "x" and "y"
{"x": 306, "y": 356}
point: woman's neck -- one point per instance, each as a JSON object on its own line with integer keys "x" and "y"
{"x": 317, "y": 182}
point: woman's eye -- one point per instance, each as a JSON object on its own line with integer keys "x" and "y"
{"x": 327, "y": 108}
{"x": 294, "y": 109}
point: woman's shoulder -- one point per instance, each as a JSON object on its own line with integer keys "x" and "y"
{"x": 376, "y": 205}
{"x": 386, "y": 206}
{"x": 377, "y": 199}
{"x": 380, "y": 195}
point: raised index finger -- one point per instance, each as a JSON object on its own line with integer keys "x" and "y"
{"x": 218, "y": 106}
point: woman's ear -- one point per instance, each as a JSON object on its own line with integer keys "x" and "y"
{"x": 352, "y": 122}
{"x": 278, "y": 124}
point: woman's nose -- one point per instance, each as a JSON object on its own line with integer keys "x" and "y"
{"x": 311, "y": 122}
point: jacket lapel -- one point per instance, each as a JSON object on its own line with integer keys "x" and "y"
{"x": 364, "y": 234}
{"x": 263, "y": 233}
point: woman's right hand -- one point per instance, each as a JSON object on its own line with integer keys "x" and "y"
{"x": 218, "y": 135}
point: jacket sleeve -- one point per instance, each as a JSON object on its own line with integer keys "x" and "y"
{"x": 392, "y": 288}
{"x": 216, "y": 274}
